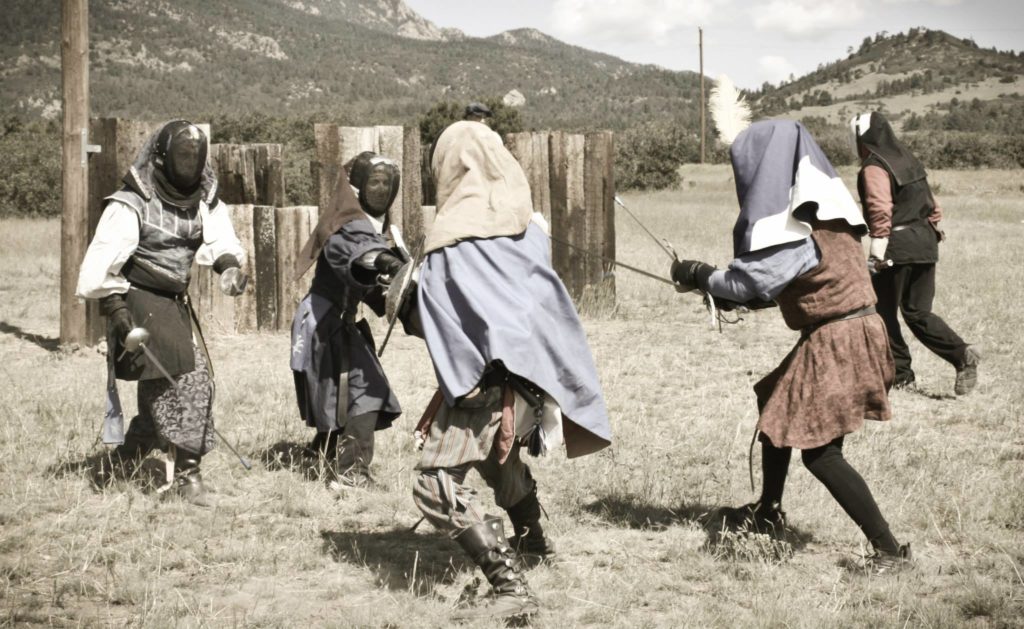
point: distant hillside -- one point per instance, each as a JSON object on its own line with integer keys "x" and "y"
{"x": 918, "y": 73}
{"x": 357, "y": 61}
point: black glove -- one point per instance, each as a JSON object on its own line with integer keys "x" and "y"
{"x": 388, "y": 263}
{"x": 399, "y": 253}
{"x": 114, "y": 308}
{"x": 691, "y": 274}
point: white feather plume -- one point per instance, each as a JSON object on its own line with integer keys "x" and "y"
{"x": 729, "y": 111}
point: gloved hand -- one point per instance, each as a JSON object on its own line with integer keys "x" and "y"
{"x": 233, "y": 281}
{"x": 399, "y": 253}
{"x": 876, "y": 250}
{"x": 691, "y": 274}
{"x": 387, "y": 263}
{"x": 116, "y": 310}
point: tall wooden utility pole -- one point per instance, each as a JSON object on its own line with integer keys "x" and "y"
{"x": 700, "y": 38}
{"x": 74, "y": 223}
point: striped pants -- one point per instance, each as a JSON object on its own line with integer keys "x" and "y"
{"x": 460, "y": 440}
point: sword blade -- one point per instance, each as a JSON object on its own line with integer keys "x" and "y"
{"x": 159, "y": 367}
{"x": 614, "y": 261}
{"x": 241, "y": 459}
{"x": 668, "y": 252}
{"x": 163, "y": 371}
{"x": 404, "y": 294}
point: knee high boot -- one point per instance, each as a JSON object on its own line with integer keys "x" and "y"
{"x": 486, "y": 545}
{"x": 188, "y": 482}
{"x": 529, "y": 540}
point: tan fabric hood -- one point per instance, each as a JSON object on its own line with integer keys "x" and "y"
{"x": 482, "y": 191}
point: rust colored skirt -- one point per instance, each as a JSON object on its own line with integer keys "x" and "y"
{"x": 836, "y": 377}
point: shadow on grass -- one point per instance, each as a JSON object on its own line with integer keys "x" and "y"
{"x": 635, "y": 512}
{"x": 401, "y": 558}
{"x": 48, "y": 343}
{"x": 931, "y": 395}
{"x": 294, "y": 457}
{"x": 916, "y": 389}
{"x": 99, "y": 469}
{"x": 284, "y": 455}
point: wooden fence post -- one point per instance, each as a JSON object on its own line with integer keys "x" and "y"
{"x": 572, "y": 184}
{"x": 293, "y": 226}
{"x": 412, "y": 187}
{"x": 246, "y": 318}
{"x": 599, "y": 194}
{"x": 532, "y": 151}
{"x": 74, "y": 223}
{"x": 249, "y": 173}
{"x": 568, "y": 210}
{"x": 264, "y": 265}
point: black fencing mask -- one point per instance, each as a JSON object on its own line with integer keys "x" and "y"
{"x": 377, "y": 179}
{"x": 179, "y": 157}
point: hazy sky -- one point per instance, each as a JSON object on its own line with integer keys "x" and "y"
{"x": 750, "y": 41}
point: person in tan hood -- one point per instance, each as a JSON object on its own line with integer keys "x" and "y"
{"x": 512, "y": 362}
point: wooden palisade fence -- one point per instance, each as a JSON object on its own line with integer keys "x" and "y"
{"x": 573, "y": 186}
{"x": 570, "y": 177}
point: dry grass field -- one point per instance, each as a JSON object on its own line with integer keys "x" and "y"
{"x": 280, "y": 550}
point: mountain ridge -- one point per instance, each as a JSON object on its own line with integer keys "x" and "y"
{"x": 355, "y": 61}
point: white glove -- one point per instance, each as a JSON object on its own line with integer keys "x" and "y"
{"x": 877, "y": 248}
{"x": 233, "y": 281}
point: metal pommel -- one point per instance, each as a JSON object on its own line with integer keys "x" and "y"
{"x": 135, "y": 339}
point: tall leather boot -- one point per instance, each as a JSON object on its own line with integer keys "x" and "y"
{"x": 529, "y": 540}
{"x": 486, "y": 545}
{"x": 188, "y": 482}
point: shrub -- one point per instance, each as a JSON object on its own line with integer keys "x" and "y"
{"x": 966, "y": 150}
{"x": 296, "y": 134}
{"x": 505, "y": 120}
{"x": 649, "y": 156}
{"x": 30, "y": 160}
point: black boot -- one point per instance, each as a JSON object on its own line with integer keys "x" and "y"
{"x": 967, "y": 372}
{"x": 889, "y": 563}
{"x": 529, "y": 540}
{"x": 485, "y": 543}
{"x": 188, "y": 482}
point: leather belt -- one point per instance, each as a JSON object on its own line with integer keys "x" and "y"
{"x": 853, "y": 314}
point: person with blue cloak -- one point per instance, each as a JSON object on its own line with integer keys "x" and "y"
{"x": 511, "y": 358}
{"x": 796, "y": 243}
{"x": 340, "y": 385}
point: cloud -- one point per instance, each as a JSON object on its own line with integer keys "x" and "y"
{"x": 806, "y": 18}
{"x": 629, "y": 21}
{"x": 938, "y": 3}
{"x": 775, "y": 68}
